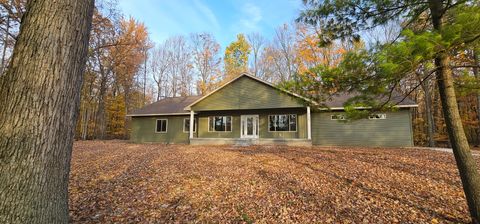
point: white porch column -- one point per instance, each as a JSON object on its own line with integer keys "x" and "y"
{"x": 192, "y": 122}
{"x": 309, "y": 124}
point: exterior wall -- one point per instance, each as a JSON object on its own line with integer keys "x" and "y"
{"x": 143, "y": 130}
{"x": 246, "y": 93}
{"x": 263, "y": 123}
{"x": 394, "y": 131}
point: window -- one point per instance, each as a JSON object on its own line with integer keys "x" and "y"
{"x": 338, "y": 117}
{"x": 186, "y": 125}
{"x": 377, "y": 116}
{"x": 284, "y": 122}
{"x": 220, "y": 123}
{"x": 161, "y": 126}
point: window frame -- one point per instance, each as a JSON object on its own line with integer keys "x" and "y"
{"x": 296, "y": 122}
{"x": 166, "y": 125}
{"x": 343, "y": 117}
{"x": 381, "y": 116}
{"x": 213, "y": 129}
{"x": 194, "y": 125}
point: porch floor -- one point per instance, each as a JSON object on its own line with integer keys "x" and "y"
{"x": 251, "y": 141}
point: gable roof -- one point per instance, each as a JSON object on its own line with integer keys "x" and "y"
{"x": 254, "y": 78}
{"x": 182, "y": 105}
{"x": 167, "y": 106}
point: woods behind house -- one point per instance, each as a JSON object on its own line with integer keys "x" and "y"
{"x": 126, "y": 70}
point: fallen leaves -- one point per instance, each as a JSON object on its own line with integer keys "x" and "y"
{"x": 114, "y": 181}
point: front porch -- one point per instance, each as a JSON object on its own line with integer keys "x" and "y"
{"x": 278, "y": 126}
{"x": 251, "y": 141}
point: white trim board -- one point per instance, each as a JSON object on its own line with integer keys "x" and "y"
{"x": 162, "y": 114}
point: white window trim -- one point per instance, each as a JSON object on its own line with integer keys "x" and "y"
{"x": 194, "y": 125}
{"x": 231, "y": 124}
{"x": 296, "y": 122}
{"x": 381, "y": 117}
{"x": 343, "y": 117}
{"x": 166, "y": 125}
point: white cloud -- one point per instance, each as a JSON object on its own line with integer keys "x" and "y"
{"x": 251, "y": 16}
{"x": 207, "y": 12}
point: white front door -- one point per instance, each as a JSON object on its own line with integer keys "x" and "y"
{"x": 249, "y": 127}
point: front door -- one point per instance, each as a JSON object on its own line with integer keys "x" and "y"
{"x": 249, "y": 127}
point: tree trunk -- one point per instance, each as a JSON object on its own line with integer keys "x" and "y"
{"x": 39, "y": 98}
{"x": 430, "y": 122}
{"x": 5, "y": 44}
{"x": 461, "y": 150}
{"x": 475, "y": 72}
{"x": 101, "y": 115}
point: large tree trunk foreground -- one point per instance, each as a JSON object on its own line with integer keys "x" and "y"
{"x": 39, "y": 98}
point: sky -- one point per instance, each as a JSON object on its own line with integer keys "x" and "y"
{"x": 222, "y": 18}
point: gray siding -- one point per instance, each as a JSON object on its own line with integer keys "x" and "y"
{"x": 394, "y": 131}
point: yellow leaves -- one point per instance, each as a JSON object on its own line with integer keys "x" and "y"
{"x": 236, "y": 57}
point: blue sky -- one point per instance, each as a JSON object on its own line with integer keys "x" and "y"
{"x": 222, "y": 18}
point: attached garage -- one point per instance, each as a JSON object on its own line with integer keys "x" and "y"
{"x": 391, "y": 129}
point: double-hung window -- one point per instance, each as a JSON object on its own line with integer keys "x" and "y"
{"x": 220, "y": 123}
{"x": 161, "y": 126}
{"x": 282, "y": 122}
{"x": 186, "y": 125}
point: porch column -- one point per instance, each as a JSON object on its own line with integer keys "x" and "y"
{"x": 309, "y": 124}
{"x": 192, "y": 122}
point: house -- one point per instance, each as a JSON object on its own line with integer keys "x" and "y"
{"x": 248, "y": 110}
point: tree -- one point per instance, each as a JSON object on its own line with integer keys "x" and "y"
{"x": 180, "y": 66}
{"x": 236, "y": 57}
{"x": 10, "y": 16}
{"x": 159, "y": 65}
{"x": 206, "y": 61}
{"x": 256, "y": 41}
{"x": 40, "y": 95}
{"x": 448, "y": 27}
{"x": 128, "y": 59}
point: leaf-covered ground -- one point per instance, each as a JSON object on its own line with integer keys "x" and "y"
{"x": 114, "y": 181}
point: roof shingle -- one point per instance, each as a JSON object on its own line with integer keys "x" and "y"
{"x": 169, "y": 105}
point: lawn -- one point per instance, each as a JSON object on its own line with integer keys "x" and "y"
{"x": 114, "y": 181}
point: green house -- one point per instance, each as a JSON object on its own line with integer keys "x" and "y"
{"x": 248, "y": 110}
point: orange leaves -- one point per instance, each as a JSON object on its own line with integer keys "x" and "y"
{"x": 113, "y": 181}
{"x": 310, "y": 54}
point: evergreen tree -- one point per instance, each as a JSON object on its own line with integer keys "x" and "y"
{"x": 432, "y": 32}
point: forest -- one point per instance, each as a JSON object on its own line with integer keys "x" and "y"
{"x": 126, "y": 70}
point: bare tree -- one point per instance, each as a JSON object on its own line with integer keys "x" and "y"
{"x": 159, "y": 65}
{"x": 206, "y": 61}
{"x": 257, "y": 42}
{"x": 40, "y": 95}
{"x": 180, "y": 70}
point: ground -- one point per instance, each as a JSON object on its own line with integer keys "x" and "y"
{"x": 115, "y": 181}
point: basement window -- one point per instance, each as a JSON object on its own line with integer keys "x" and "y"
{"x": 338, "y": 117}
{"x": 377, "y": 117}
{"x": 161, "y": 126}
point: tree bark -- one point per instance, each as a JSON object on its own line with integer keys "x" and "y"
{"x": 39, "y": 98}
{"x": 461, "y": 150}
{"x": 475, "y": 72}
{"x": 428, "y": 112}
